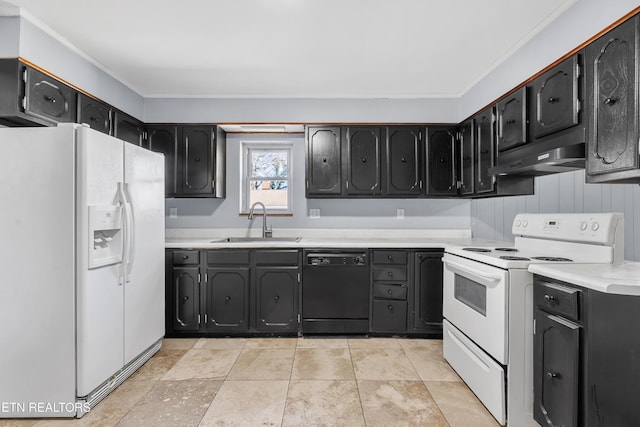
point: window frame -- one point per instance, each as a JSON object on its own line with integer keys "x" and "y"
{"x": 245, "y": 149}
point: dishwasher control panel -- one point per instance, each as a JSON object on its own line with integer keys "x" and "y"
{"x": 338, "y": 258}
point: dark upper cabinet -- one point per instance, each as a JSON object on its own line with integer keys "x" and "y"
{"x": 164, "y": 139}
{"x": 94, "y": 113}
{"x": 196, "y": 160}
{"x": 612, "y": 67}
{"x": 30, "y": 97}
{"x": 555, "y": 97}
{"x": 127, "y": 128}
{"x": 362, "y": 152}
{"x": 403, "y": 161}
{"x": 441, "y": 177}
{"x": 194, "y": 157}
{"x": 324, "y": 166}
{"x": 467, "y": 163}
{"x": 484, "y": 151}
{"x": 512, "y": 120}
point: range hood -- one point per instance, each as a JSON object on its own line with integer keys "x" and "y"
{"x": 561, "y": 159}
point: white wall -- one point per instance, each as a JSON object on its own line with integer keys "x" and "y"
{"x": 564, "y": 192}
{"x": 576, "y": 25}
{"x": 9, "y": 36}
{"x": 334, "y": 213}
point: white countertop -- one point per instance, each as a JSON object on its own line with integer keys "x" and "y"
{"x": 622, "y": 279}
{"x": 322, "y": 238}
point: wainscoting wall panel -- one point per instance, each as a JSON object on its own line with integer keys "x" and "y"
{"x": 565, "y": 193}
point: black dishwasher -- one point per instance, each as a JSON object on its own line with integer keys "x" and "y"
{"x": 335, "y": 292}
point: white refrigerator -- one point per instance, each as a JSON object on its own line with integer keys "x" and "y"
{"x": 82, "y": 262}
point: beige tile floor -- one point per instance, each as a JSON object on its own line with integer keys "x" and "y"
{"x": 289, "y": 382}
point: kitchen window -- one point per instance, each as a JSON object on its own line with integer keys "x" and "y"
{"x": 266, "y": 176}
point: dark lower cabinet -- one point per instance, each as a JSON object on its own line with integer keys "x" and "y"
{"x": 276, "y": 299}
{"x": 612, "y": 67}
{"x": 586, "y": 366}
{"x": 426, "y": 294}
{"x": 185, "y": 298}
{"x": 232, "y": 292}
{"x": 227, "y": 299}
{"x": 556, "y": 370}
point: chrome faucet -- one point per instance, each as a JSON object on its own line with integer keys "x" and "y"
{"x": 266, "y": 232}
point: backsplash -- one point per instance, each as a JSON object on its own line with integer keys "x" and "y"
{"x": 564, "y": 193}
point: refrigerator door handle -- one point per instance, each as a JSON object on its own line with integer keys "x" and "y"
{"x": 127, "y": 232}
{"x": 131, "y": 232}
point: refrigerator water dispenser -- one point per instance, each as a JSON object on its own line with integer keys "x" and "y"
{"x": 105, "y": 235}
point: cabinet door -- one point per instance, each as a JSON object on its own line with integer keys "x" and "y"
{"x": 485, "y": 151}
{"x": 441, "y": 164}
{"x": 556, "y": 370}
{"x": 512, "y": 120}
{"x": 94, "y": 113}
{"x": 427, "y": 292}
{"x": 47, "y": 98}
{"x": 389, "y": 316}
{"x": 467, "y": 143}
{"x": 612, "y": 81}
{"x": 185, "y": 299}
{"x": 555, "y": 96}
{"x": 227, "y": 299}
{"x": 196, "y": 160}
{"x": 403, "y": 175}
{"x": 127, "y": 128}
{"x": 324, "y": 167}
{"x": 276, "y": 299}
{"x": 164, "y": 139}
{"x": 362, "y": 154}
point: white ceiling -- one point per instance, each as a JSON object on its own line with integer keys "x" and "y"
{"x": 295, "y": 48}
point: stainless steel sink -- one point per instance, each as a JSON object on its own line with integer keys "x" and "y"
{"x": 257, "y": 239}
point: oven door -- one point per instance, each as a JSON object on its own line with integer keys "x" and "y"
{"x": 475, "y": 301}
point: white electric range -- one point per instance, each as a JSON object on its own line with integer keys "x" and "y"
{"x": 488, "y": 303}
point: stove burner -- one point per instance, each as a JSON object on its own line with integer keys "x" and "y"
{"x": 476, "y": 250}
{"x": 514, "y": 258}
{"x": 551, "y": 258}
{"x": 506, "y": 249}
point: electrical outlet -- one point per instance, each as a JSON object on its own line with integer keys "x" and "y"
{"x": 314, "y": 213}
{"x": 173, "y": 212}
{"x": 400, "y": 213}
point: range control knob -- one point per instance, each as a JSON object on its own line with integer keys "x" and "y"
{"x": 518, "y": 223}
{"x": 595, "y": 226}
{"x": 525, "y": 223}
{"x": 583, "y": 226}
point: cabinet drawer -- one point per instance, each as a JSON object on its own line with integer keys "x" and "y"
{"x": 390, "y": 273}
{"x": 556, "y": 298}
{"x": 186, "y": 257}
{"x": 277, "y": 257}
{"x": 381, "y": 290}
{"x": 390, "y": 257}
{"x": 228, "y": 257}
{"x": 389, "y": 316}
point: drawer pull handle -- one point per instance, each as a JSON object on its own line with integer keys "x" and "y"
{"x": 277, "y": 298}
{"x": 390, "y": 307}
{"x": 227, "y": 298}
{"x": 549, "y": 298}
{"x": 389, "y": 273}
{"x": 553, "y": 375}
{"x": 185, "y": 299}
{"x": 364, "y": 160}
{"x": 389, "y": 292}
{"x": 185, "y": 257}
{"x": 389, "y": 257}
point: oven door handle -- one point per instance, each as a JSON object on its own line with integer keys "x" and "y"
{"x": 494, "y": 277}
